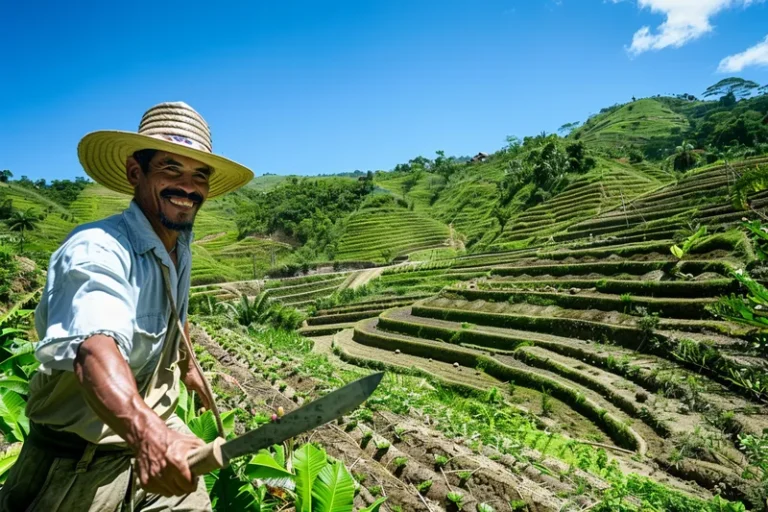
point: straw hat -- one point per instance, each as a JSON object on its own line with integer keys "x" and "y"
{"x": 173, "y": 127}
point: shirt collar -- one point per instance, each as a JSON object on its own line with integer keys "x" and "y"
{"x": 143, "y": 237}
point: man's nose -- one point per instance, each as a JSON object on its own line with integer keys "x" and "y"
{"x": 186, "y": 183}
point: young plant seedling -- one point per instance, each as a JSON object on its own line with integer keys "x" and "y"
{"x": 441, "y": 461}
{"x": 399, "y": 462}
{"x": 424, "y": 486}
{"x": 456, "y": 498}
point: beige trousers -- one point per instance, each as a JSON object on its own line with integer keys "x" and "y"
{"x": 42, "y": 482}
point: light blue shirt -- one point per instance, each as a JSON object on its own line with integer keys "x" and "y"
{"x": 105, "y": 279}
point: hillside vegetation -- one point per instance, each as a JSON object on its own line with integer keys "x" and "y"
{"x": 573, "y": 322}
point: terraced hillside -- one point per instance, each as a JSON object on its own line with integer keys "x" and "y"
{"x": 57, "y": 223}
{"x": 297, "y": 292}
{"x": 382, "y": 233}
{"x": 602, "y": 189}
{"x": 634, "y": 123}
{"x": 606, "y": 336}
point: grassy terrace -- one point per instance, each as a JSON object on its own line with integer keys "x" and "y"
{"x": 699, "y": 197}
{"x": 613, "y": 327}
{"x": 378, "y": 234}
{"x": 634, "y": 123}
{"x": 603, "y": 188}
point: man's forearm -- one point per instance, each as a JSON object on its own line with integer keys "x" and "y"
{"x": 110, "y": 389}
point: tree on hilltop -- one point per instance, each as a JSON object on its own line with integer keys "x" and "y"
{"x": 5, "y": 175}
{"x": 21, "y": 221}
{"x": 568, "y": 128}
{"x": 739, "y": 87}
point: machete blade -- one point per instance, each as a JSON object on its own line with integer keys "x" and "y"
{"x": 307, "y": 417}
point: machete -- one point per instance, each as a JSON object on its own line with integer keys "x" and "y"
{"x": 220, "y": 452}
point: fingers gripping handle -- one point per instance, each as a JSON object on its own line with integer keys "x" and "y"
{"x": 207, "y": 458}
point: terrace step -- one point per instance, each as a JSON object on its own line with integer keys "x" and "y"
{"x": 677, "y": 289}
{"x": 613, "y": 267}
{"x": 378, "y": 303}
{"x": 324, "y": 330}
{"x": 671, "y": 308}
{"x": 593, "y": 407}
{"x": 348, "y": 317}
{"x": 645, "y": 370}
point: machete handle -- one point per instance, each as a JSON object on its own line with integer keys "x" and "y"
{"x": 207, "y": 458}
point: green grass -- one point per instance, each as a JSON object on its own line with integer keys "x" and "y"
{"x": 421, "y": 194}
{"x": 606, "y": 186}
{"x": 379, "y": 234}
{"x": 633, "y": 123}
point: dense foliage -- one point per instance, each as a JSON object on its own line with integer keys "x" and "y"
{"x": 63, "y": 192}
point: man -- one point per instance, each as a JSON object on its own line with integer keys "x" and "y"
{"x": 103, "y": 433}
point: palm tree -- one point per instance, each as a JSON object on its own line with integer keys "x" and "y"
{"x": 684, "y": 157}
{"x": 248, "y": 311}
{"x": 21, "y": 221}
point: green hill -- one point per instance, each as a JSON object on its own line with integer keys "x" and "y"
{"x": 634, "y": 123}
{"x": 569, "y": 323}
{"x": 381, "y": 233}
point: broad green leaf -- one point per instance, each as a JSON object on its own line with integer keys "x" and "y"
{"x": 228, "y": 421}
{"x": 18, "y": 384}
{"x": 279, "y": 454}
{"x": 182, "y": 407}
{"x": 8, "y": 459}
{"x": 263, "y": 465}
{"x": 204, "y": 427}
{"x": 234, "y": 494}
{"x": 308, "y": 460}
{"x": 334, "y": 489}
{"x": 12, "y": 413}
{"x": 677, "y": 251}
{"x": 374, "y": 507}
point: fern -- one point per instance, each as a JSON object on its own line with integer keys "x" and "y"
{"x": 754, "y": 180}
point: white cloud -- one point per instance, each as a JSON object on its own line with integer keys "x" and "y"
{"x": 686, "y": 20}
{"x": 754, "y": 56}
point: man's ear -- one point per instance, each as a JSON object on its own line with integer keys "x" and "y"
{"x": 132, "y": 171}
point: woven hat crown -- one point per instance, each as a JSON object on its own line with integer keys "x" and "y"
{"x": 177, "y": 122}
{"x": 174, "y": 127}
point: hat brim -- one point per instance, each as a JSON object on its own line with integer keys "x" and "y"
{"x": 103, "y": 155}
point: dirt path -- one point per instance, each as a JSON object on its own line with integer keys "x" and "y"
{"x": 363, "y": 277}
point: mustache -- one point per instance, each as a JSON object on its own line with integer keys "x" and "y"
{"x": 175, "y": 192}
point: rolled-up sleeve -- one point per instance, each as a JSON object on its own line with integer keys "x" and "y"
{"x": 89, "y": 293}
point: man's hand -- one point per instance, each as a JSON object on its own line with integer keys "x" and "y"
{"x": 161, "y": 462}
{"x": 110, "y": 389}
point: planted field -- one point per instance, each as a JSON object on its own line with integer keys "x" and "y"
{"x": 380, "y": 234}
{"x": 603, "y": 188}
{"x": 635, "y": 123}
{"x": 610, "y": 338}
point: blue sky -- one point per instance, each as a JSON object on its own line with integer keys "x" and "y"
{"x": 322, "y": 87}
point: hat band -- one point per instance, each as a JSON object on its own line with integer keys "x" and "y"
{"x": 180, "y": 140}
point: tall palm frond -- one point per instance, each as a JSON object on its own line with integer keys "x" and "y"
{"x": 754, "y": 180}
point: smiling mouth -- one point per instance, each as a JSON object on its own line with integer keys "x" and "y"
{"x": 180, "y": 202}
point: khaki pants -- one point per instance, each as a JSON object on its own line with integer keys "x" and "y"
{"x": 42, "y": 482}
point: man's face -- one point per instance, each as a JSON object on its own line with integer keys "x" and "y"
{"x": 172, "y": 190}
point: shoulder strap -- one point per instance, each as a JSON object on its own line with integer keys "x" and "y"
{"x": 188, "y": 345}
